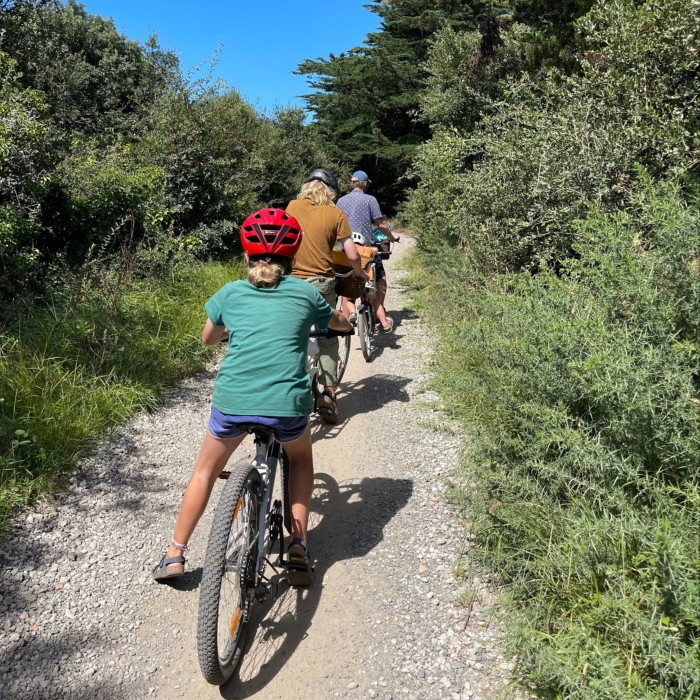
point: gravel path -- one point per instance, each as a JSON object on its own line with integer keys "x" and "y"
{"x": 386, "y": 618}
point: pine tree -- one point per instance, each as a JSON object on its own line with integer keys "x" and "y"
{"x": 366, "y": 100}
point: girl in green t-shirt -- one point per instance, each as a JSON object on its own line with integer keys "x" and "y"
{"x": 262, "y": 378}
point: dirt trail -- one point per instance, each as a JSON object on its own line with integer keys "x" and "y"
{"x": 385, "y": 618}
{"x": 309, "y": 637}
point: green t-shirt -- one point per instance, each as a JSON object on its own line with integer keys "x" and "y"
{"x": 263, "y": 373}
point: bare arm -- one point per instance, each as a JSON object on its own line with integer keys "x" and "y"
{"x": 381, "y": 225}
{"x": 211, "y": 334}
{"x": 354, "y": 258}
{"x": 338, "y": 322}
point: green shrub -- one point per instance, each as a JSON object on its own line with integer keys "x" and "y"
{"x": 23, "y": 142}
{"x": 112, "y": 199}
{"x": 88, "y": 359}
{"x": 581, "y": 393}
{"x": 558, "y": 144}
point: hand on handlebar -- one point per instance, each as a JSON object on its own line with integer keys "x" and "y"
{"x": 361, "y": 275}
{"x": 329, "y": 333}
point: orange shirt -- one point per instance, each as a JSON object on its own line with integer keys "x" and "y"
{"x": 322, "y": 225}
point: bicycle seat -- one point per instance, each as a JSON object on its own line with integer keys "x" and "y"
{"x": 260, "y": 431}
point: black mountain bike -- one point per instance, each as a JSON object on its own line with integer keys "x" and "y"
{"x": 245, "y": 556}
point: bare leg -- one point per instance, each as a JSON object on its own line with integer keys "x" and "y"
{"x": 377, "y": 301}
{"x": 212, "y": 459}
{"x": 301, "y": 482}
{"x": 348, "y": 306}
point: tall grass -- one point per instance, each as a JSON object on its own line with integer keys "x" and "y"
{"x": 88, "y": 358}
{"x": 580, "y": 391}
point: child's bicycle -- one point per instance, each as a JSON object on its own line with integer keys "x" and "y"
{"x": 247, "y": 527}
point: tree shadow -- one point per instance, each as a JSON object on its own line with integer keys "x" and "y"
{"x": 347, "y": 522}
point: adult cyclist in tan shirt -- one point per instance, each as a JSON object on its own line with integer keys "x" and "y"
{"x": 323, "y": 224}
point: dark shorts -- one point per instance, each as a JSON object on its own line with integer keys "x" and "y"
{"x": 286, "y": 428}
{"x": 379, "y": 267}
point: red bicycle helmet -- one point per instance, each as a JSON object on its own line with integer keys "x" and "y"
{"x": 271, "y": 232}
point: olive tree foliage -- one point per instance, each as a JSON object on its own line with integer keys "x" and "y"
{"x": 463, "y": 83}
{"x": 9, "y": 6}
{"x": 551, "y": 147}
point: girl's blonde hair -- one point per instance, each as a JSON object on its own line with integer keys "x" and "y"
{"x": 317, "y": 193}
{"x": 266, "y": 271}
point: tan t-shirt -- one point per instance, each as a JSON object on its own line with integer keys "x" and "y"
{"x": 322, "y": 225}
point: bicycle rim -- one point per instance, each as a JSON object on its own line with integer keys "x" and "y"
{"x": 228, "y": 579}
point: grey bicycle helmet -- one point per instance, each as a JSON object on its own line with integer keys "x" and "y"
{"x": 326, "y": 177}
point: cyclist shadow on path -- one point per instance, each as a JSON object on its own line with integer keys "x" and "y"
{"x": 391, "y": 341}
{"x": 347, "y": 522}
{"x": 362, "y": 396}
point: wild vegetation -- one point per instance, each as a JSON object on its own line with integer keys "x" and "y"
{"x": 121, "y": 185}
{"x": 545, "y": 155}
{"x": 557, "y": 216}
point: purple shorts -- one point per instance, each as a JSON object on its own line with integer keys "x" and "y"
{"x": 286, "y": 428}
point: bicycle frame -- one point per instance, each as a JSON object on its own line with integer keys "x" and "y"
{"x": 268, "y": 454}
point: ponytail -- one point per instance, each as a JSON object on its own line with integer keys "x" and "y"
{"x": 265, "y": 271}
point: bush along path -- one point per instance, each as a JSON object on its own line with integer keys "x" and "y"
{"x": 395, "y": 610}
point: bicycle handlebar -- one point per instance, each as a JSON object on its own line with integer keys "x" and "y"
{"x": 316, "y": 333}
{"x": 329, "y": 333}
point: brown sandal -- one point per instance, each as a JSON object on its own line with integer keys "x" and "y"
{"x": 299, "y": 569}
{"x": 328, "y": 407}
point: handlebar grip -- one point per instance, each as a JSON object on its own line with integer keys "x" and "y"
{"x": 329, "y": 333}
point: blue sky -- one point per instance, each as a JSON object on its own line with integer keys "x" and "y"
{"x": 261, "y": 42}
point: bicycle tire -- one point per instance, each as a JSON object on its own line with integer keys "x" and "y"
{"x": 364, "y": 329}
{"x": 343, "y": 357}
{"x": 228, "y": 578}
{"x": 286, "y": 504}
{"x": 314, "y": 386}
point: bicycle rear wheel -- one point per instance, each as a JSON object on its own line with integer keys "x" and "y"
{"x": 228, "y": 580}
{"x": 364, "y": 330}
{"x": 286, "y": 503}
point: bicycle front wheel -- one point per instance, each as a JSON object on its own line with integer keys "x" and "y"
{"x": 228, "y": 580}
{"x": 343, "y": 357}
{"x": 364, "y": 330}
